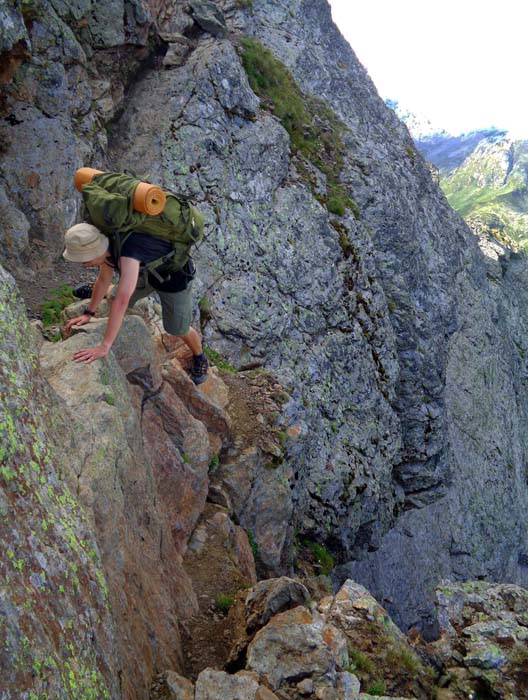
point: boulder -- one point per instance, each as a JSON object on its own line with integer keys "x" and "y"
{"x": 15, "y": 228}
{"x": 218, "y": 685}
{"x": 209, "y": 17}
{"x": 263, "y": 600}
{"x": 297, "y": 644}
{"x": 379, "y": 651}
{"x": 270, "y": 597}
{"x": 484, "y": 638}
{"x": 205, "y": 404}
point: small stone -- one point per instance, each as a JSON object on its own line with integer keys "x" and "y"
{"x": 348, "y": 686}
{"x": 175, "y": 56}
{"x": 247, "y": 674}
{"x": 326, "y": 693}
{"x": 264, "y": 693}
{"x": 198, "y": 540}
{"x": 294, "y": 431}
{"x": 306, "y": 686}
{"x": 180, "y": 688}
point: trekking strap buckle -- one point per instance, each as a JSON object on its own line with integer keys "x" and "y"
{"x": 152, "y": 266}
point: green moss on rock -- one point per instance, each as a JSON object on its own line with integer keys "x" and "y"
{"x": 315, "y": 131}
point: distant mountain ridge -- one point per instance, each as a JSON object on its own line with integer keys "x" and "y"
{"x": 483, "y": 173}
{"x": 448, "y": 152}
{"x": 490, "y": 188}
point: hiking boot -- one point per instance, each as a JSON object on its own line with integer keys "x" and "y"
{"x": 83, "y": 291}
{"x": 199, "y": 368}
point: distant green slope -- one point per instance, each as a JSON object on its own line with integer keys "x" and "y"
{"x": 491, "y": 188}
{"x": 483, "y": 173}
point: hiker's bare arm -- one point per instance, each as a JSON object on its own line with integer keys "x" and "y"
{"x": 127, "y": 283}
{"x": 101, "y": 285}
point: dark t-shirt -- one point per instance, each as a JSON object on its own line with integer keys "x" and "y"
{"x": 145, "y": 248}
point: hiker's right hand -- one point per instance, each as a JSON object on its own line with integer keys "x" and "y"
{"x": 77, "y": 321}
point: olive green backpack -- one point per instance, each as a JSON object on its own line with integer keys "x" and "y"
{"x": 108, "y": 199}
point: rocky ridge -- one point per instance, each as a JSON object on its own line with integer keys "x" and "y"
{"x": 383, "y": 320}
{"x": 116, "y": 564}
{"x": 104, "y": 480}
{"x": 440, "y": 471}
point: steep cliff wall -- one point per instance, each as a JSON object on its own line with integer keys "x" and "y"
{"x": 459, "y": 331}
{"x": 401, "y": 347}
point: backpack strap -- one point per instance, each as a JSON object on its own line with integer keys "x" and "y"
{"x": 153, "y": 265}
{"x": 196, "y": 226}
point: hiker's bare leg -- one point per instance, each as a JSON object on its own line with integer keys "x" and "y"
{"x": 192, "y": 340}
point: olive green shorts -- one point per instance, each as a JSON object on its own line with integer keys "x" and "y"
{"x": 176, "y": 307}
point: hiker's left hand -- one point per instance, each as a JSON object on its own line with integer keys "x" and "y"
{"x": 90, "y": 354}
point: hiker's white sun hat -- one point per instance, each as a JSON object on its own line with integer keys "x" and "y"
{"x": 84, "y": 242}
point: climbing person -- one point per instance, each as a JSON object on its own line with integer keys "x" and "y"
{"x": 85, "y": 244}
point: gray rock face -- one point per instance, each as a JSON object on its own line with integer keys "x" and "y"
{"x": 404, "y": 355}
{"x": 478, "y": 529}
{"x": 459, "y": 328}
{"x": 209, "y": 17}
{"x": 402, "y": 216}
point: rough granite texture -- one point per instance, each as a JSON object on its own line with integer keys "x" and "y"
{"x": 72, "y": 62}
{"x": 57, "y": 633}
{"x": 102, "y": 483}
{"x": 484, "y": 642}
{"x": 405, "y": 358}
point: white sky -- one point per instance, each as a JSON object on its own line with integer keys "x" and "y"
{"x": 463, "y": 64}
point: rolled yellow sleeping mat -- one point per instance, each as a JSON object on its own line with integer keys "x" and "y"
{"x": 84, "y": 175}
{"x": 148, "y": 199}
